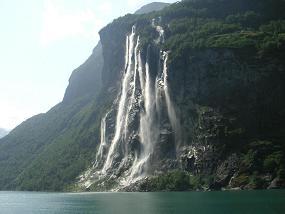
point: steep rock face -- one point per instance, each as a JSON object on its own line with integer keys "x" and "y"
{"x": 83, "y": 79}
{"x": 227, "y": 104}
{"x": 113, "y": 42}
{"x": 232, "y": 98}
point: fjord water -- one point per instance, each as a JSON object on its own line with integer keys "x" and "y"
{"x": 251, "y": 202}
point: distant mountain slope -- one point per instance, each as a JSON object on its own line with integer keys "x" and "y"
{"x": 42, "y": 146}
{"x": 3, "y": 132}
{"x": 154, "y": 6}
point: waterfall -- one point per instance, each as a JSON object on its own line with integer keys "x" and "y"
{"x": 160, "y": 30}
{"x": 122, "y": 108}
{"x": 139, "y": 113}
{"x": 147, "y": 134}
{"x": 175, "y": 124}
{"x": 103, "y": 143}
{"x": 148, "y": 131}
{"x": 132, "y": 88}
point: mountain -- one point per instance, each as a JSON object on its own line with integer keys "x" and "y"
{"x": 49, "y": 150}
{"x": 186, "y": 98}
{"x": 152, "y": 7}
{"x": 3, "y": 132}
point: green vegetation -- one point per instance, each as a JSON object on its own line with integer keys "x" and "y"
{"x": 215, "y": 24}
{"x": 220, "y": 29}
{"x": 171, "y": 181}
{"x": 34, "y": 158}
{"x": 264, "y": 156}
{"x": 176, "y": 180}
{"x": 261, "y": 158}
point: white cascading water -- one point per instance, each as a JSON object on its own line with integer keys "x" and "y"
{"x": 103, "y": 143}
{"x": 122, "y": 108}
{"x": 175, "y": 124}
{"x": 148, "y": 131}
{"x": 132, "y": 88}
{"x": 140, "y": 95}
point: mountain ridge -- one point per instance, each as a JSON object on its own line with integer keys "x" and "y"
{"x": 152, "y": 7}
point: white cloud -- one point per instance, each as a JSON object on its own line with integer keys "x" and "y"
{"x": 59, "y": 23}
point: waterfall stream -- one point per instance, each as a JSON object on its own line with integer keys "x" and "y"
{"x": 103, "y": 143}
{"x": 175, "y": 124}
{"x": 140, "y": 102}
{"x": 123, "y": 103}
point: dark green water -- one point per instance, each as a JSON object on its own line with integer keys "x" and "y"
{"x": 244, "y": 202}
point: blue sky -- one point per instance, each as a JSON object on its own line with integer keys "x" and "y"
{"x": 41, "y": 43}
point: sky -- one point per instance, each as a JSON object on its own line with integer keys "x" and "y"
{"x": 41, "y": 43}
